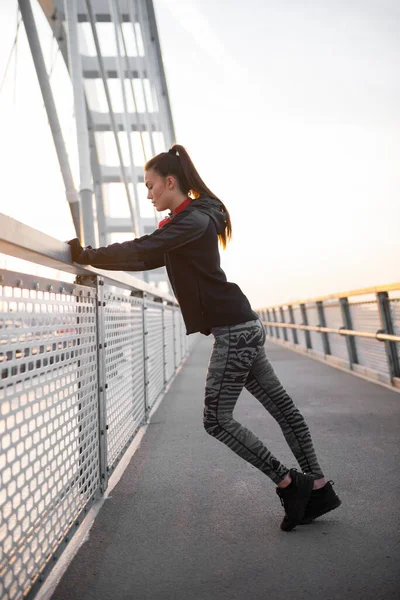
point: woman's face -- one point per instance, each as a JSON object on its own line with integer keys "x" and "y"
{"x": 161, "y": 190}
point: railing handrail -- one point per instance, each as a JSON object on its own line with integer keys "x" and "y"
{"x": 25, "y": 242}
{"x": 379, "y": 335}
{"x": 390, "y": 287}
{"x": 363, "y": 318}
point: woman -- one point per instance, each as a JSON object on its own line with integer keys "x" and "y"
{"x": 186, "y": 242}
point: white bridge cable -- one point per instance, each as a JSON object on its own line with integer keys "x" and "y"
{"x": 16, "y": 59}
{"x": 53, "y": 55}
{"x": 53, "y": 60}
{"x": 14, "y": 47}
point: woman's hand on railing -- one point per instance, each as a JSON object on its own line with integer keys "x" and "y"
{"x": 76, "y": 248}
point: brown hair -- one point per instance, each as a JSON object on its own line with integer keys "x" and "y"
{"x": 189, "y": 181}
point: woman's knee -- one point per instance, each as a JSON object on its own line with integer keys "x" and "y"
{"x": 212, "y": 428}
{"x": 211, "y": 423}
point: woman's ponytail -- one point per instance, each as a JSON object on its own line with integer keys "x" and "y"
{"x": 178, "y": 162}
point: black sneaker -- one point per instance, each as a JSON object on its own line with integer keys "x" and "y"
{"x": 294, "y": 498}
{"x": 321, "y": 501}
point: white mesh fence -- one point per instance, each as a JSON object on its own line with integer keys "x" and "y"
{"x": 80, "y": 370}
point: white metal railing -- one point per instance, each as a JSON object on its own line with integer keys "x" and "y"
{"x": 358, "y": 330}
{"x": 82, "y": 364}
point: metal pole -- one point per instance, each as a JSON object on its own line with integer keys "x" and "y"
{"x": 283, "y": 320}
{"x": 164, "y": 341}
{"x": 322, "y": 323}
{"x": 348, "y": 324}
{"x": 142, "y": 73}
{"x": 276, "y": 328}
{"x": 387, "y": 325}
{"x": 305, "y": 322}
{"x": 113, "y": 122}
{"x": 127, "y": 121}
{"x": 292, "y": 321}
{"x": 102, "y": 385}
{"x": 45, "y": 88}
{"x": 271, "y": 329}
{"x": 176, "y": 364}
{"x": 160, "y": 79}
{"x": 85, "y": 172}
{"x": 146, "y": 359}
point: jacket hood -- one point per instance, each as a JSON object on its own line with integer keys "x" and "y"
{"x": 214, "y": 209}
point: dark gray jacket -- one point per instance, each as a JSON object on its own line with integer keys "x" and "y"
{"x": 188, "y": 247}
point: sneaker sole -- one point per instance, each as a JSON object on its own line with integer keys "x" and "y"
{"x": 323, "y": 512}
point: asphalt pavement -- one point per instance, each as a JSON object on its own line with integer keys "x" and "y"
{"x": 191, "y": 520}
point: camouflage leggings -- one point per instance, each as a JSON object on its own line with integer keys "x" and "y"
{"x": 238, "y": 360}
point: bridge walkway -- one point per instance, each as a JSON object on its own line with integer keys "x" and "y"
{"x": 190, "y": 520}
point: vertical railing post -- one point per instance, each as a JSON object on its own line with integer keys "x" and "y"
{"x": 164, "y": 342}
{"x": 305, "y": 322}
{"x": 276, "y": 328}
{"x": 293, "y": 322}
{"x": 175, "y": 341}
{"x": 170, "y": 309}
{"x": 102, "y": 384}
{"x": 271, "y": 329}
{"x": 285, "y": 335}
{"x": 382, "y": 299}
{"x": 261, "y": 314}
{"x": 265, "y": 318}
{"x": 181, "y": 333}
{"x": 322, "y": 323}
{"x": 348, "y": 324}
{"x": 146, "y": 357}
{"x": 97, "y": 284}
{"x": 184, "y": 340}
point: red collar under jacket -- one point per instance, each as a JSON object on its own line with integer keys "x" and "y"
{"x": 177, "y": 210}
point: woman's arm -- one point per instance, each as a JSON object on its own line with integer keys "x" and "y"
{"x": 145, "y": 265}
{"x": 146, "y": 252}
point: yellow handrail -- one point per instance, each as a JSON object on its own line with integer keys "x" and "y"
{"x": 378, "y": 335}
{"x": 371, "y": 290}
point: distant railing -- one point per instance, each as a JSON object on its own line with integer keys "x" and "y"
{"x": 357, "y": 330}
{"x": 82, "y": 364}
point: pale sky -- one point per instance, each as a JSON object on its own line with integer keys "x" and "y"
{"x": 291, "y": 113}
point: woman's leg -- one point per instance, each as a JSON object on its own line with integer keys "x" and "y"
{"x": 234, "y": 351}
{"x": 263, "y": 383}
